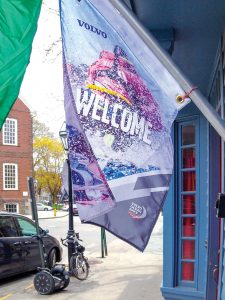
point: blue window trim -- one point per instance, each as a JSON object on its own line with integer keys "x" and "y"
{"x": 170, "y": 288}
{"x": 191, "y": 121}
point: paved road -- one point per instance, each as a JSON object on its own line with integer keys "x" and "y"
{"x": 125, "y": 273}
{"x": 91, "y": 234}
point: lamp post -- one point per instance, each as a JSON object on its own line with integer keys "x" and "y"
{"x": 71, "y": 232}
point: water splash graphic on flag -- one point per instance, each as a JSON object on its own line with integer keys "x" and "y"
{"x": 120, "y": 105}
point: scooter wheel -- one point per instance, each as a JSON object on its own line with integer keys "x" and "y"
{"x": 44, "y": 283}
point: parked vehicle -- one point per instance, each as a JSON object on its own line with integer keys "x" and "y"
{"x": 65, "y": 207}
{"x": 41, "y": 206}
{"x": 75, "y": 210}
{"x": 19, "y": 251}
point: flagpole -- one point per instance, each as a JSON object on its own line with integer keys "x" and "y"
{"x": 200, "y": 101}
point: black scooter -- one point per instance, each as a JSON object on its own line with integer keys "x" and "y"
{"x": 46, "y": 281}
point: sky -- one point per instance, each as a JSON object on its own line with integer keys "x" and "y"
{"x": 42, "y": 87}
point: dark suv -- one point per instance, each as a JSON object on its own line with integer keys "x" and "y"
{"x": 19, "y": 251}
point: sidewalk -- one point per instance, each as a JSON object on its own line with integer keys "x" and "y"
{"x": 50, "y": 214}
{"x": 125, "y": 274}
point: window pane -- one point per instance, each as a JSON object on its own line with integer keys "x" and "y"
{"x": 188, "y": 227}
{"x": 188, "y": 134}
{"x": 27, "y": 228}
{"x": 188, "y": 269}
{"x": 7, "y": 227}
{"x": 10, "y": 176}
{"x": 188, "y": 158}
{"x": 10, "y": 132}
{"x": 188, "y": 249}
{"x": 189, "y": 204}
{"x": 189, "y": 184}
{"x": 11, "y": 207}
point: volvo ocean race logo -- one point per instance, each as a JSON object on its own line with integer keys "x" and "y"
{"x": 136, "y": 211}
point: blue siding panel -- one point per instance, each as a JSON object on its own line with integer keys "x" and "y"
{"x": 222, "y": 266}
{"x": 168, "y": 238}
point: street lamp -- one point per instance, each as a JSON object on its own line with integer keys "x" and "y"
{"x": 71, "y": 232}
{"x": 63, "y": 137}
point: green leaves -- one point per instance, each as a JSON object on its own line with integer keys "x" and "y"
{"x": 49, "y": 156}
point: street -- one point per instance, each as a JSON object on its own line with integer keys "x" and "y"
{"x": 91, "y": 235}
{"x": 125, "y": 272}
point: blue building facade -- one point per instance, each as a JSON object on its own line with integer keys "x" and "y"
{"x": 185, "y": 216}
{"x": 192, "y": 32}
{"x": 193, "y": 235}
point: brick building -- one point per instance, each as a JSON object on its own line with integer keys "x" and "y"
{"x": 16, "y": 162}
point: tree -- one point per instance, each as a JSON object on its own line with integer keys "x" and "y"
{"x": 48, "y": 158}
{"x": 40, "y": 129}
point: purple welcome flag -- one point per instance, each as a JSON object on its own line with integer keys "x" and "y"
{"x": 120, "y": 105}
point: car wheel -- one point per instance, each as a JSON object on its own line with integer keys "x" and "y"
{"x": 52, "y": 258}
{"x": 45, "y": 209}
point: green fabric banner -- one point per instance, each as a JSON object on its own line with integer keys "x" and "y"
{"x": 18, "y": 25}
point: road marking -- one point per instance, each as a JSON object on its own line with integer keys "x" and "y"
{"x": 28, "y": 287}
{"x": 5, "y": 297}
{"x": 9, "y": 295}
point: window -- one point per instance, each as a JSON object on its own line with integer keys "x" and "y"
{"x": 7, "y": 227}
{"x": 11, "y": 207}
{"x": 10, "y": 132}
{"x": 10, "y": 176}
{"x": 26, "y": 227}
{"x": 187, "y": 203}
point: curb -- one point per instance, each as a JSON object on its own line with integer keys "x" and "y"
{"x": 42, "y": 218}
{"x": 54, "y": 217}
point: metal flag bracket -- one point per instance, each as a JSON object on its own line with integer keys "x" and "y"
{"x": 181, "y": 98}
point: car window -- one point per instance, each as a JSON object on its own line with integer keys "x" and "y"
{"x": 7, "y": 227}
{"x": 27, "y": 227}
